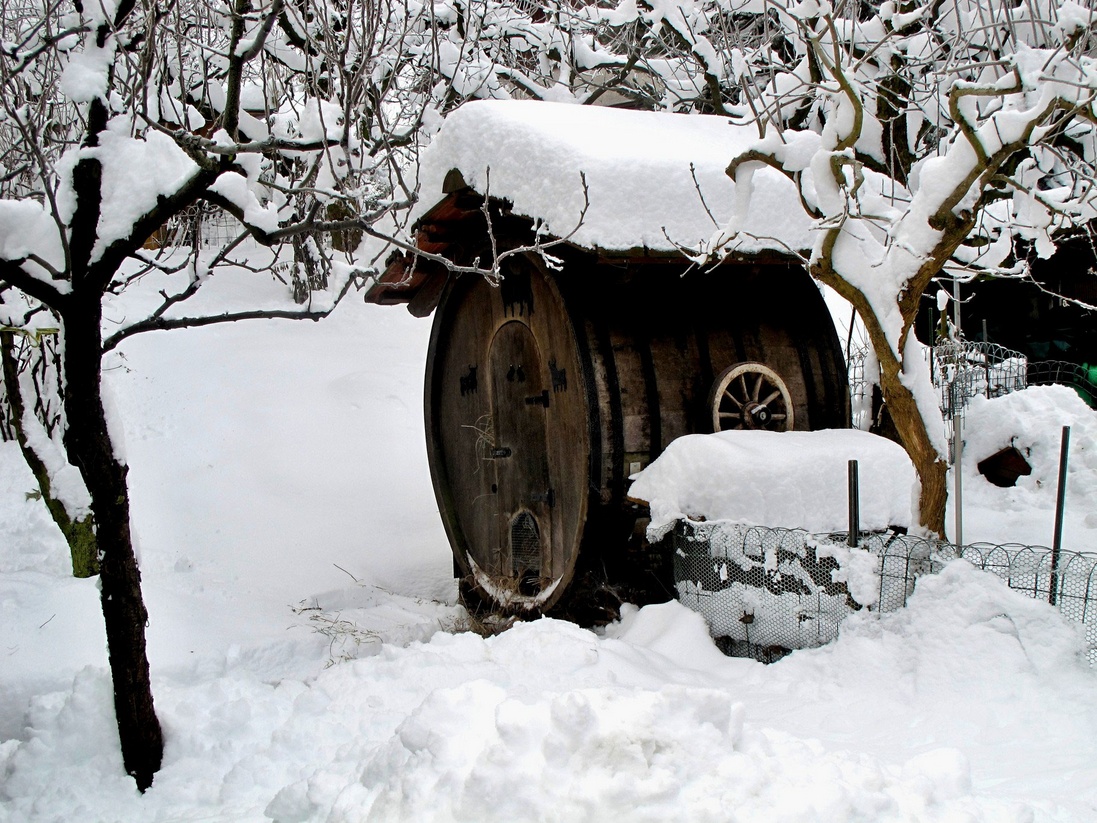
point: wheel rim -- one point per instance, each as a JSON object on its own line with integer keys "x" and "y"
{"x": 750, "y": 396}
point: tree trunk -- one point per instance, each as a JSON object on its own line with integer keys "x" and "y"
{"x": 79, "y": 532}
{"x": 909, "y": 423}
{"x": 310, "y": 268}
{"x": 930, "y": 466}
{"x": 87, "y": 441}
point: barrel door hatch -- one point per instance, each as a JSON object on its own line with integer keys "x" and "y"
{"x": 524, "y": 499}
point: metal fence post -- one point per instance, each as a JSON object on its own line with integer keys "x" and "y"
{"x": 986, "y": 359}
{"x": 1060, "y": 508}
{"x": 957, "y": 468}
{"x": 854, "y": 506}
{"x": 956, "y": 307}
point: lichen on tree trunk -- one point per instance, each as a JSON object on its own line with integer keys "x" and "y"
{"x": 79, "y": 532}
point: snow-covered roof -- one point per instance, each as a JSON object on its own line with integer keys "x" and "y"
{"x": 654, "y": 180}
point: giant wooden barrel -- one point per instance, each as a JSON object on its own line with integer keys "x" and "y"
{"x": 544, "y": 393}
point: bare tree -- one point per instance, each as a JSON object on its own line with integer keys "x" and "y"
{"x": 118, "y": 118}
{"x": 664, "y": 54}
{"x": 29, "y": 373}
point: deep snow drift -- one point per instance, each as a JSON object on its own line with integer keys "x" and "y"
{"x": 273, "y": 462}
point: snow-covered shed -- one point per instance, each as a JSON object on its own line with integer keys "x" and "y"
{"x": 547, "y": 391}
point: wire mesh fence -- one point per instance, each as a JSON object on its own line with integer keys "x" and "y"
{"x": 767, "y": 591}
{"x": 860, "y": 387}
{"x": 198, "y": 226}
{"x": 965, "y": 369}
{"x": 962, "y": 370}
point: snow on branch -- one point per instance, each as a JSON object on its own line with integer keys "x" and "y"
{"x": 924, "y": 144}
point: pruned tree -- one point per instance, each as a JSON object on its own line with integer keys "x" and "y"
{"x": 924, "y": 139}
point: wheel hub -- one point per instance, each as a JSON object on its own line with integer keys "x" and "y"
{"x": 756, "y": 416}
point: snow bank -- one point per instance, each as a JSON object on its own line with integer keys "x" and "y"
{"x": 639, "y": 167}
{"x": 1031, "y": 420}
{"x": 787, "y": 479}
{"x": 646, "y": 723}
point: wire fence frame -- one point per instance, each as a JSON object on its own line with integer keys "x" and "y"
{"x": 199, "y": 226}
{"x": 963, "y": 369}
{"x": 766, "y": 591}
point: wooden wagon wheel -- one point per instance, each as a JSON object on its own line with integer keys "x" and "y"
{"x": 750, "y": 396}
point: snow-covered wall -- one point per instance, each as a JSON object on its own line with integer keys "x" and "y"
{"x": 654, "y": 180}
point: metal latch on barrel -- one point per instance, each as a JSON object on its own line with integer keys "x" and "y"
{"x": 541, "y": 399}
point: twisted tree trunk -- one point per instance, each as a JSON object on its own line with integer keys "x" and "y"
{"x": 910, "y": 423}
{"x": 88, "y": 443}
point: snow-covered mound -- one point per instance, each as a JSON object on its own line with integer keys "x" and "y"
{"x": 788, "y": 479}
{"x": 649, "y": 175}
{"x": 1032, "y": 420}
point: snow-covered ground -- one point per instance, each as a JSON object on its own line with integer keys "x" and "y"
{"x": 309, "y": 663}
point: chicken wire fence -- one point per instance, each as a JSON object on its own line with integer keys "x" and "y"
{"x": 966, "y": 369}
{"x": 199, "y": 226}
{"x": 766, "y": 591}
{"x": 963, "y": 369}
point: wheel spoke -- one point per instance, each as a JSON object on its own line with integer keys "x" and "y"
{"x": 733, "y": 398}
{"x": 772, "y": 397}
{"x": 757, "y": 389}
{"x": 778, "y": 417}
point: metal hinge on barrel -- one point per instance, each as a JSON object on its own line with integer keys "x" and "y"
{"x": 541, "y": 399}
